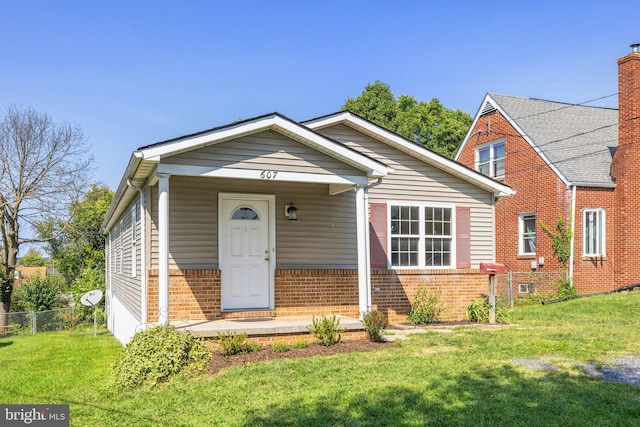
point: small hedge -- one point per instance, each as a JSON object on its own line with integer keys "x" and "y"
{"x": 157, "y": 354}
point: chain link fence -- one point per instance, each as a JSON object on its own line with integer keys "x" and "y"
{"x": 32, "y": 322}
{"x": 513, "y": 285}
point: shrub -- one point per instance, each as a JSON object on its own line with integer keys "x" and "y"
{"x": 478, "y": 310}
{"x": 279, "y": 347}
{"x": 232, "y": 343}
{"x": 38, "y": 293}
{"x": 566, "y": 289}
{"x": 157, "y": 354}
{"x": 374, "y": 324}
{"x": 300, "y": 344}
{"x": 425, "y": 308}
{"x": 326, "y": 329}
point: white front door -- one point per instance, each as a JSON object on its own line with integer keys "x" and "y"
{"x": 246, "y": 251}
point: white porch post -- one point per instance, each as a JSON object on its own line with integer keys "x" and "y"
{"x": 163, "y": 249}
{"x": 364, "y": 287}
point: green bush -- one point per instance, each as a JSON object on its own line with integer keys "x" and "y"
{"x": 279, "y": 347}
{"x": 566, "y": 289}
{"x": 326, "y": 329}
{"x": 425, "y": 308}
{"x": 37, "y": 294}
{"x": 478, "y": 310}
{"x": 90, "y": 279}
{"x": 374, "y": 324}
{"x": 232, "y": 343}
{"x": 157, "y": 354}
{"x": 300, "y": 344}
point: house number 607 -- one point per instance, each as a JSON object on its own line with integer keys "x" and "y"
{"x": 268, "y": 174}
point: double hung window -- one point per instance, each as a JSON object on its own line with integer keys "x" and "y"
{"x": 421, "y": 236}
{"x": 490, "y": 159}
{"x": 593, "y": 232}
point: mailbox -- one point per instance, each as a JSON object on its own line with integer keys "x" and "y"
{"x": 491, "y": 268}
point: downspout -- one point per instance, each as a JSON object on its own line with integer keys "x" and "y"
{"x": 143, "y": 251}
{"x": 367, "y": 239}
{"x": 573, "y": 234}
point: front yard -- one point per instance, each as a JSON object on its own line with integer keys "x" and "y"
{"x": 464, "y": 377}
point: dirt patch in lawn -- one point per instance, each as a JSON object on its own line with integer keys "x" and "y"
{"x": 219, "y": 362}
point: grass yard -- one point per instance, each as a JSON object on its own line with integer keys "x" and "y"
{"x": 461, "y": 378}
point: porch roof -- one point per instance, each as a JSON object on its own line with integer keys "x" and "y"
{"x": 146, "y": 161}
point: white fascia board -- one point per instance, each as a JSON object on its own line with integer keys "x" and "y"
{"x": 261, "y": 175}
{"x": 116, "y": 208}
{"x": 414, "y": 150}
{"x": 473, "y": 125}
{"x": 304, "y": 135}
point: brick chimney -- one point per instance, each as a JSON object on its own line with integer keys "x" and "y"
{"x": 625, "y": 168}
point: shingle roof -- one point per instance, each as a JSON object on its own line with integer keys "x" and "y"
{"x": 579, "y": 141}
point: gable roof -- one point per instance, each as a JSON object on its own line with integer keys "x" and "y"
{"x": 416, "y": 150}
{"x": 578, "y": 142}
{"x": 143, "y": 162}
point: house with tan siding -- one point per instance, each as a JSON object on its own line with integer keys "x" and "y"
{"x": 275, "y": 219}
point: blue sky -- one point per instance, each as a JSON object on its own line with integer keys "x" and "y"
{"x": 131, "y": 73}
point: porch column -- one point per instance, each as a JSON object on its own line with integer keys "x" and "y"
{"x": 364, "y": 288}
{"x": 163, "y": 249}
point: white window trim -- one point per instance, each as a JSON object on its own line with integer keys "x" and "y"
{"x": 602, "y": 232}
{"x": 521, "y": 233}
{"x": 120, "y": 247}
{"x": 421, "y": 247}
{"x": 491, "y": 145}
{"x": 134, "y": 236}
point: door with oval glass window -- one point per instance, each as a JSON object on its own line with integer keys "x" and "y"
{"x": 245, "y": 254}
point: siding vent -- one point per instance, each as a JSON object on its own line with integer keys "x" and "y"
{"x": 488, "y": 108}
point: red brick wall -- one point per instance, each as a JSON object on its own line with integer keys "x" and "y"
{"x": 594, "y": 274}
{"x": 393, "y": 291}
{"x": 195, "y": 294}
{"x": 540, "y": 190}
{"x": 316, "y": 292}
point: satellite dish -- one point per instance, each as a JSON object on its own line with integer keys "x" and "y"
{"x": 91, "y": 298}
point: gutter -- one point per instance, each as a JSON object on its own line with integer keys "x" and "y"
{"x": 573, "y": 234}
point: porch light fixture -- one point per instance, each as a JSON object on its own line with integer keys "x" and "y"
{"x": 290, "y": 212}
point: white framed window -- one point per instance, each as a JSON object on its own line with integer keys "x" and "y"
{"x": 527, "y": 233}
{"x": 523, "y": 288}
{"x": 421, "y": 235}
{"x": 120, "y": 248}
{"x": 593, "y": 232}
{"x": 490, "y": 159}
{"x": 134, "y": 237}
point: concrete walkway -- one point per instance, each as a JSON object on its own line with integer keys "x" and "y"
{"x": 261, "y": 325}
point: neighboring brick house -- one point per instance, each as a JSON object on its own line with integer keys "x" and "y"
{"x": 274, "y": 218}
{"x": 571, "y": 161}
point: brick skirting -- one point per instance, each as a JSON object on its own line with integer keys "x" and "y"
{"x": 195, "y": 294}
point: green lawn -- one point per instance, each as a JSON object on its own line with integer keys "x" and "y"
{"x": 463, "y": 378}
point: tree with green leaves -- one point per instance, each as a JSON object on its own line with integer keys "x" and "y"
{"x": 428, "y": 123}
{"x": 33, "y": 258}
{"x": 44, "y": 166}
{"x": 77, "y": 245}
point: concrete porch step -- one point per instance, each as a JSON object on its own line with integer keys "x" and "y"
{"x": 264, "y": 314}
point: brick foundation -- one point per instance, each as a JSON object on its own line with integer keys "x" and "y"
{"x": 195, "y": 294}
{"x": 398, "y": 288}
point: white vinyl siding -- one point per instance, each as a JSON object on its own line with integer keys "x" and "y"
{"x": 593, "y": 232}
{"x": 414, "y": 180}
{"x": 264, "y": 150}
{"x": 123, "y": 262}
{"x": 324, "y": 236}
